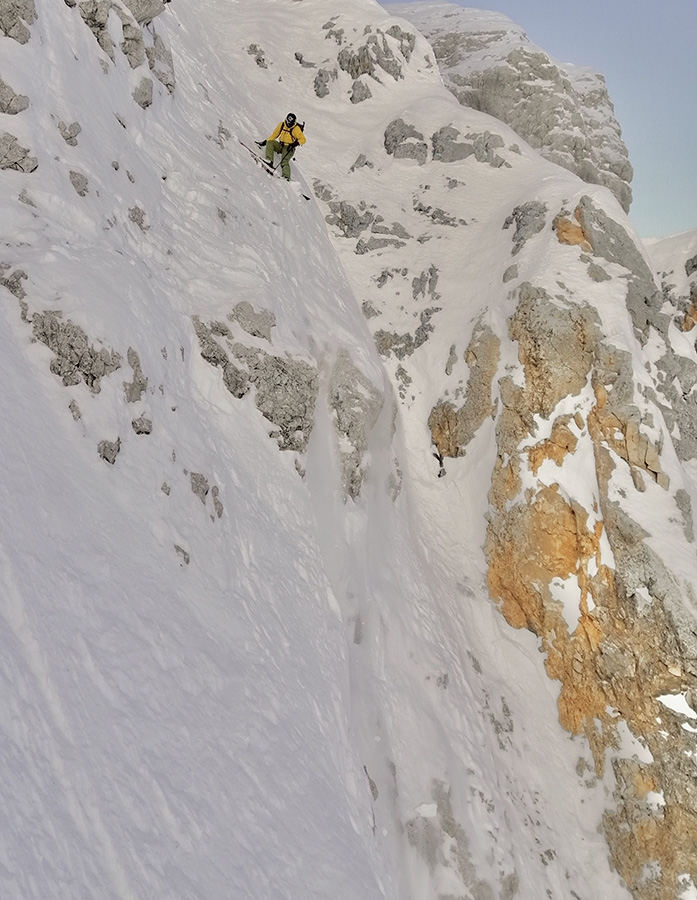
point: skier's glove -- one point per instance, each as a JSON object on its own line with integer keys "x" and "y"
{"x": 260, "y": 143}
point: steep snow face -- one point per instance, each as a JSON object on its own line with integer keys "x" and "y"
{"x": 564, "y": 111}
{"x": 521, "y": 322}
{"x": 250, "y": 647}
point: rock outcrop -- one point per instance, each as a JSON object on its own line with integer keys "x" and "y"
{"x": 11, "y": 103}
{"x": 565, "y": 112}
{"x": 139, "y": 45}
{"x": 586, "y": 581}
{"x": 15, "y": 17}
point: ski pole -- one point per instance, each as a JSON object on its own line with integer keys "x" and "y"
{"x": 283, "y": 158}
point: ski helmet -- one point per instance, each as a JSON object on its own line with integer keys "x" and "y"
{"x": 291, "y": 119}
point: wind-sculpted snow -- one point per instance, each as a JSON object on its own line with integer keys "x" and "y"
{"x": 234, "y": 671}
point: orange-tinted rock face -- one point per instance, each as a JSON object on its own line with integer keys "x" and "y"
{"x": 690, "y": 319}
{"x": 601, "y": 642}
{"x": 571, "y": 232}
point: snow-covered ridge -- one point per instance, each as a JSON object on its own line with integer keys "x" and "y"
{"x": 269, "y": 461}
{"x": 564, "y": 111}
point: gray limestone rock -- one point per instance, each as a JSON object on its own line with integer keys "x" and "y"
{"x": 256, "y": 51}
{"x": 74, "y": 360}
{"x": 443, "y": 844}
{"x": 14, "y": 156}
{"x": 217, "y": 502}
{"x": 138, "y": 216}
{"x": 79, "y": 182}
{"x": 235, "y": 379}
{"x": 675, "y": 383}
{"x": 684, "y": 504}
{"x": 348, "y": 219}
{"x": 361, "y": 160}
{"x": 184, "y": 554}
{"x": 133, "y": 45}
{"x": 375, "y": 243}
{"x": 452, "y": 359}
{"x": 11, "y": 103}
{"x": 95, "y": 14}
{"x": 70, "y": 132}
{"x": 640, "y": 572}
{"x": 356, "y": 405}
{"x": 135, "y": 389}
{"x": 13, "y": 282}
{"x": 285, "y": 389}
{"x": 360, "y": 91}
{"x": 562, "y": 111}
{"x": 691, "y": 266}
{"x": 383, "y": 55}
{"x": 143, "y": 93}
{"x": 597, "y": 273}
{"x": 303, "y": 62}
{"x": 399, "y": 131}
{"x": 437, "y": 215}
{"x": 403, "y": 141}
{"x": 322, "y": 81}
{"x": 530, "y": 218}
{"x": 199, "y": 486}
{"x": 144, "y": 11}
{"x": 426, "y": 284}
{"x": 510, "y": 274}
{"x": 611, "y": 241}
{"x": 407, "y": 40}
{"x": 376, "y": 53}
{"x": 557, "y": 345}
{"x": 356, "y": 63}
{"x": 396, "y": 228}
{"x": 452, "y": 429}
{"x": 403, "y": 345}
{"x": 141, "y": 425}
{"x": 411, "y": 150}
{"x": 446, "y": 147}
{"x": 258, "y": 324}
{"x": 332, "y": 32}
{"x": 161, "y": 63}
{"x": 109, "y": 450}
{"x": 285, "y": 394}
{"x": 485, "y": 146}
{"x": 15, "y": 15}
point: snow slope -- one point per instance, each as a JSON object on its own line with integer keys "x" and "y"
{"x": 222, "y": 676}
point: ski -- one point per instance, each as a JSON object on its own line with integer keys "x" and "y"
{"x": 266, "y": 166}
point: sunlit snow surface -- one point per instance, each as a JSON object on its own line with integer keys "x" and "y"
{"x": 214, "y": 728}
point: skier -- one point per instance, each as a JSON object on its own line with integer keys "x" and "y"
{"x": 287, "y": 135}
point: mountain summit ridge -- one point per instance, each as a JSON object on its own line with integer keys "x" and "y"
{"x": 564, "y": 111}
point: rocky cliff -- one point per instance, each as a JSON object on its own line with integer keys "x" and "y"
{"x": 564, "y": 111}
{"x": 348, "y": 543}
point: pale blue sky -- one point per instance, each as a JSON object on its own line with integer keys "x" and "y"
{"x": 647, "y": 51}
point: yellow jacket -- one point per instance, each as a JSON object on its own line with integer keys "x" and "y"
{"x": 287, "y": 135}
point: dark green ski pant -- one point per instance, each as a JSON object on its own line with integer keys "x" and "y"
{"x": 273, "y": 147}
